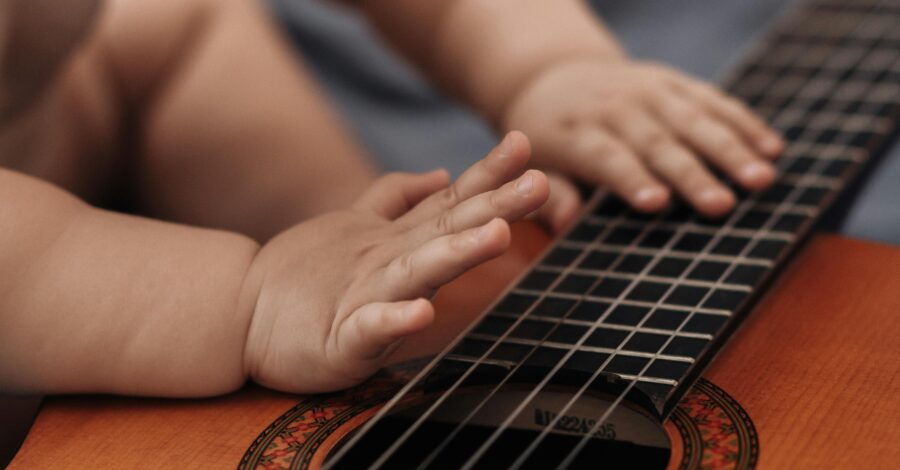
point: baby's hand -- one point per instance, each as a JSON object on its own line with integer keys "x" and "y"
{"x": 638, "y": 129}
{"x": 338, "y": 293}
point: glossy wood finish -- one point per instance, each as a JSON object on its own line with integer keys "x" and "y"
{"x": 816, "y": 366}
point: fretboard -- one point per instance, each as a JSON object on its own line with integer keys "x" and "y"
{"x": 652, "y": 298}
{"x": 649, "y": 299}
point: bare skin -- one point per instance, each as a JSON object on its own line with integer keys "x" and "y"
{"x": 197, "y": 113}
{"x": 551, "y": 70}
{"x": 175, "y": 101}
{"x": 96, "y": 301}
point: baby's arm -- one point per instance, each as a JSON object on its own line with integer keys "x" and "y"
{"x": 550, "y": 69}
{"x": 102, "y": 302}
{"x": 94, "y": 301}
{"x": 485, "y": 51}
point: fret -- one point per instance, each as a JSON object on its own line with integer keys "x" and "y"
{"x": 601, "y": 299}
{"x": 723, "y": 250}
{"x": 805, "y": 60}
{"x": 829, "y": 151}
{"x": 827, "y": 25}
{"x": 665, "y": 230}
{"x": 467, "y": 360}
{"x": 696, "y": 281}
{"x": 651, "y": 298}
{"x": 638, "y": 346}
{"x": 831, "y": 119}
{"x": 585, "y": 362}
{"x": 872, "y": 104}
{"x": 828, "y": 182}
{"x": 794, "y": 56}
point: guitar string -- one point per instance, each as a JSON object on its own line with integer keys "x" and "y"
{"x": 432, "y": 365}
{"x": 434, "y": 453}
{"x": 624, "y": 252}
{"x": 794, "y": 194}
{"x": 709, "y": 244}
{"x": 474, "y": 365}
{"x": 451, "y": 345}
{"x": 621, "y": 256}
{"x": 650, "y": 362}
{"x": 415, "y": 425}
{"x": 602, "y": 420}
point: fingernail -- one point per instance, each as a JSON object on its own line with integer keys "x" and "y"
{"x": 482, "y": 233}
{"x": 525, "y": 184}
{"x": 770, "y": 145}
{"x": 504, "y": 148}
{"x": 411, "y": 309}
{"x": 756, "y": 171}
{"x": 648, "y": 195}
{"x": 712, "y": 195}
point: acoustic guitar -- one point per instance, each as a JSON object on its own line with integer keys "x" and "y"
{"x": 600, "y": 354}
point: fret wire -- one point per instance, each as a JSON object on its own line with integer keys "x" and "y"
{"x": 669, "y": 291}
{"x": 774, "y": 236}
{"x": 423, "y": 373}
{"x": 489, "y": 361}
{"x": 428, "y": 412}
{"x": 579, "y": 344}
{"x": 761, "y": 48}
{"x": 884, "y": 93}
{"x": 605, "y": 273}
{"x": 612, "y": 326}
{"x": 810, "y": 61}
{"x": 639, "y": 303}
{"x": 793, "y": 195}
{"x": 811, "y": 180}
{"x": 680, "y": 229}
{"x": 831, "y": 59}
{"x": 770, "y": 221}
{"x": 566, "y": 346}
{"x": 540, "y": 386}
{"x": 606, "y": 414}
{"x": 615, "y": 326}
{"x": 610, "y": 274}
{"x": 598, "y": 199}
{"x": 695, "y": 228}
{"x": 783, "y": 94}
{"x": 508, "y": 364}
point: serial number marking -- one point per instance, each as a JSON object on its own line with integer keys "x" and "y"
{"x": 576, "y": 424}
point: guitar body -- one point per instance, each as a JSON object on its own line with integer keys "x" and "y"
{"x": 809, "y": 381}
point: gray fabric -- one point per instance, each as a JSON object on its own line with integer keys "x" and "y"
{"x": 410, "y": 127}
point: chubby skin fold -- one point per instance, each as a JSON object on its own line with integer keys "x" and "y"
{"x": 114, "y": 303}
{"x": 276, "y": 264}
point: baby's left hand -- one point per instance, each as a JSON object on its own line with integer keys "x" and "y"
{"x": 639, "y": 129}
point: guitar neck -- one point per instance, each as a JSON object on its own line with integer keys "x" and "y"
{"x": 638, "y": 305}
{"x": 651, "y": 299}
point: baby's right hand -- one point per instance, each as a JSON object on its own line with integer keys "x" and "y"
{"x": 336, "y": 295}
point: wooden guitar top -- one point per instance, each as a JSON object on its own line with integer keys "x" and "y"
{"x": 815, "y": 367}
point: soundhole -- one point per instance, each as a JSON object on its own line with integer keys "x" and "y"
{"x": 630, "y": 437}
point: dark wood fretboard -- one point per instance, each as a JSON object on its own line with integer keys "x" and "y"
{"x": 649, "y": 300}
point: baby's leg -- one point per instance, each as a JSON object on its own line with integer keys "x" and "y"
{"x": 197, "y": 108}
{"x": 234, "y": 132}
{"x": 46, "y": 123}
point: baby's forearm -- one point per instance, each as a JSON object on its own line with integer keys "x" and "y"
{"x": 485, "y": 51}
{"x": 93, "y": 301}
